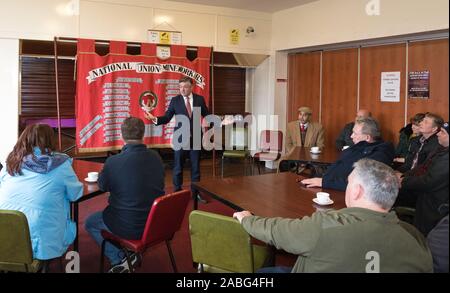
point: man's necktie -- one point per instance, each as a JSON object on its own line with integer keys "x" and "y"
{"x": 188, "y": 107}
{"x": 302, "y": 133}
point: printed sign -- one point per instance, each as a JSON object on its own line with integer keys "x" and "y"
{"x": 234, "y": 37}
{"x": 390, "y": 86}
{"x": 419, "y": 84}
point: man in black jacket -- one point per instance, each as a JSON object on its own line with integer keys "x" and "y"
{"x": 345, "y": 138}
{"x": 422, "y": 146}
{"x": 426, "y": 187}
{"x": 367, "y": 144}
{"x": 134, "y": 178}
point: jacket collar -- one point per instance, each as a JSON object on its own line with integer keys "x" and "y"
{"x": 370, "y": 214}
{"x": 131, "y": 147}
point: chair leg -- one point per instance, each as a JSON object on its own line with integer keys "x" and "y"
{"x": 258, "y": 163}
{"x": 222, "y": 165}
{"x": 200, "y": 268}
{"x": 245, "y": 166}
{"x": 102, "y": 256}
{"x": 45, "y": 266}
{"x": 61, "y": 267}
{"x": 127, "y": 255}
{"x": 252, "y": 164}
{"x": 172, "y": 258}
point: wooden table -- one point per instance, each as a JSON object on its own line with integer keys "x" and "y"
{"x": 303, "y": 155}
{"x": 316, "y": 162}
{"x": 270, "y": 195}
{"x": 90, "y": 190}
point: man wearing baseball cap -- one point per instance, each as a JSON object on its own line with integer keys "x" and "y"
{"x": 303, "y": 132}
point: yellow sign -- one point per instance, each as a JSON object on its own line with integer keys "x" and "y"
{"x": 164, "y": 38}
{"x": 234, "y": 36}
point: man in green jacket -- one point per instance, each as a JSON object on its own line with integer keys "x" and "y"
{"x": 364, "y": 237}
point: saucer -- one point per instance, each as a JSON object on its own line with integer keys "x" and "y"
{"x": 89, "y": 180}
{"x": 322, "y": 204}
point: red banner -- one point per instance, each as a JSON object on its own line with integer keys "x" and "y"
{"x": 113, "y": 87}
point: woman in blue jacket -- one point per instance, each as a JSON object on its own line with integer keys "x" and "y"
{"x": 41, "y": 183}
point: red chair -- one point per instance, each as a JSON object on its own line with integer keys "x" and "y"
{"x": 164, "y": 219}
{"x": 271, "y": 146}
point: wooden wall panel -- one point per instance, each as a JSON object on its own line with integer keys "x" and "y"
{"x": 339, "y": 91}
{"x": 374, "y": 61}
{"x": 432, "y": 56}
{"x": 304, "y": 84}
{"x": 229, "y": 90}
{"x": 38, "y": 88}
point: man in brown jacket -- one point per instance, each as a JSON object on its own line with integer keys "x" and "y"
{"x": 303, "y": 132}
{"x": 364, "y": 237}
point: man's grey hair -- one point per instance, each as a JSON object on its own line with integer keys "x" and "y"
{"x": 378, "y": 181}
{"x": 370, "y": 127}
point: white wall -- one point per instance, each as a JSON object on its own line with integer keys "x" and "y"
{"x": 130, "y": 20}
{"x": 106, "y": 21}
{"x": 41, "y": 19}
{"x": 9, "y": 79}
{"x": 334, "y": 21}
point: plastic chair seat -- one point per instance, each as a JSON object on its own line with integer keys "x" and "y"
{"x": 260, "y": 252}
{"x": 267, "y": 156}
{"x": 34, "y": 267}
{"x": 235, "y": 154}
{"x": 270, "y": 145}
{"x": 135, "y": 245}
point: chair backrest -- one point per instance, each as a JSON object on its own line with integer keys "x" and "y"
{"x": 165, "y": 217}
{"x": 236, "y": 138}
{"x": 15, "y": 243}
{"x": 221, "y": 242}
{"x": 271, "y": 140}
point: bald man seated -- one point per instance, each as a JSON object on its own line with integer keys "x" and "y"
{"x": 344, "y": 138}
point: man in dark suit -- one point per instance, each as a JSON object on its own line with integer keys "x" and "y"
{"x": 184, "y": 106}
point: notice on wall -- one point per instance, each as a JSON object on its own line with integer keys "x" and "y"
{"x": 419, "y": 84}
{"x": 164, "y": 37}
{"x": 234, "y": 37}
{"x": 390, "y": 86}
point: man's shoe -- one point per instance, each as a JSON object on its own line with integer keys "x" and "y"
{"x": 122, "y": 267}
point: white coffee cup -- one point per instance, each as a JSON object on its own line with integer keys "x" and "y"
{"x": 315, "y": 149}
{"x": 92, "y": 176}
{"x": 323, "y": 197}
